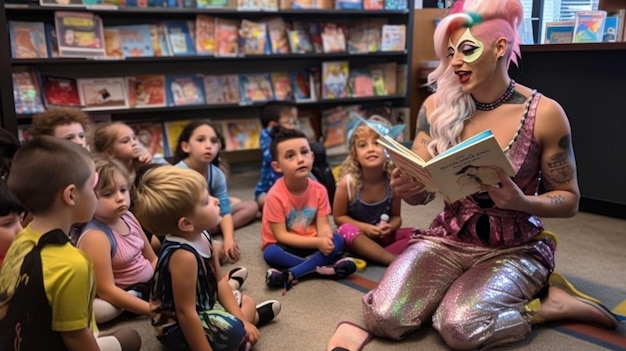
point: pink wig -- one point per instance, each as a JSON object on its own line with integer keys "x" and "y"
{"x": 489, "y": 20}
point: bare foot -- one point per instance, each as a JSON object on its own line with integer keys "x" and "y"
{"x": 560, "y": 305}
{"x": 349, "y": 336}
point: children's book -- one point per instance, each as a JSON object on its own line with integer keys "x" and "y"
{"x": 28, "y": 40}
{"x": 349, "y": 4}
{"x": 360, "y": 84}
{"x": 52, "y": 41}
{"x": 207, "y": 4}
{"x": 277, "y": 30}
{"x": 136, "y": 40}
{"x": 226, "y": 37}
{"x": 282, "y": 86}
{"x": 335, "y": 79}
{"x": 396, "y": 4}
{"x": 402, "y": 72}
{"x": 299, "y": 40}
{"x": 611, "y": 25}
{"x": 184, "y": 90}
{"x": 242, "y": 134}
{"x": 223, "y": 89}
{"x": 333, "y": 37}
{"x": 253, "y": 38}
{"x": 113, "y": 42}
{"x": 256, "y": 87}
{"x": 559, "y": 32}
{"x": 160, "y": 44}
{"x": 27, "y": 93}
{"x": 394, "y": 37}
{"x": 180, "y": 39}
{"x": 589, "y": 26}
{"x": 373, "y": 4}
{"x": 357, "y": 41}
{"x": 146, "y": 91}
{"x": 301, "y": 85}
{"x": 205, "y": 35}
{"x": 457, "y": 172}
{"x": 102, "y": 93}
{"x": 334, "y": 127}
{"x": 150, "y": 135}
{"x": 80, "y": 34}
{"x": 173, "y": 129}
{"x": 60, "y": 3}
{"x": 59, "y": 91}
{"x": 384, "y": 76}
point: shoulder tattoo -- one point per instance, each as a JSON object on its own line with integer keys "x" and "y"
{"x": 422, "y": 126}
{"x": 517, "y": 98}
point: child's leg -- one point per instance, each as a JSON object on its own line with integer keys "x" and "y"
{"x": 318, "y": 259}
{"x": 104, "y": 311}
{"x": 223, "y": 330}
{"x": 243, "y": 213}
{"x": 401, "y": 241}
{"x": 363, "y": 246}
{"x": 124, "y": 339}
{"x": 275, "y": 256}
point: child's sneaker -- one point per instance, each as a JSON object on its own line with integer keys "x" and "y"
{"x": 276, "y": 278}
{"x": 340, "y": 269}
{"x": 236, "y": 277}
{"x": 267, "y": 310}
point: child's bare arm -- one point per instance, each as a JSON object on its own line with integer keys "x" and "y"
{"x": 98, "y": 247}
{"x": 184, "y": 270}
{"x": 322, "y": 224}
{"x": 283, "y": 236}
{"x": 80, "y": 340}
{"x": 395, "y": 220}
{"x": 340, "y": 207}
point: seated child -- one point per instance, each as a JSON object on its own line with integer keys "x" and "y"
{"x": 192, "y": 306}
{"x": 198, "y": 146}
{"x": 273, "y": 114}
{"x": 123, "y": 259}
{"x": 296, "y": 233}
{"x": 53, "y": 305}
{"x": 62, "y": 122}
{"x": 366, "y": 209}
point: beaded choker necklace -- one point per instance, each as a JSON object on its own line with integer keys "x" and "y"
{"x": 504, "y": 98}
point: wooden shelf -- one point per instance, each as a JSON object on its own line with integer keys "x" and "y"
{"x": 108, "y": 61}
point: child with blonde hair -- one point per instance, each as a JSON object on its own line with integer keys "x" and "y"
{"x": 365, "y": 209}
{"x": 192, "y": 306}
{"x": 123, "y": 259}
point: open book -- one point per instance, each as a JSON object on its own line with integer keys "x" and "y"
{"x": 457, "y": 172}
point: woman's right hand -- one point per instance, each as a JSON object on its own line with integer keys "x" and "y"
{"x": 405, "y": 186}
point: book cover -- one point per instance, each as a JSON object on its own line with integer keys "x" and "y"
{"x": 27, "y": 92}
{"x": 179, "y": 38}
{"x": 242, "y": 134}
{"x": 334, "y": 129}
{"x": 222, "y": 89}
{"x": 458, "y": 172}
{"x": 172, "y": 132}
{"x": 277, "y": 30}
{"x": 113, "y": 42}
{"x": 256, "y": 87}
{"x": 59, "y": 91}
{"x": 335, "y": 79}
{"x": 282, "y": 86}
{"x": 396, "y": 4}
{"x": 184, "y": 90}
{"x": 385, "y": 77}
{"x": 52, "y": 41}
{"x": 611, "y": 24}
{"x": 299, "y": 40}
{"x": 402, "y": 72}
{"x": 349, "y": 4}
{"x": 102, "y": 93}
{"x": 28, "y": 40}
{"x": 68, "y": 3}
{"x": 151, "y": 136}
{"x": 559, "y": 32}
{"x": 589, "y": 26}
{"x": 253, "y": 38}
{"x": 301, "y": 85}
{"x": 160, "y": 45}
{"x": 136, "y": 40}
{"x": 207, "y": 4}
{"x": 333, "y": 37}
{"x": 226, "y": 37}
{"x": 394, "y": 37}
{"x": 146, "y": 91}
{"x": 373, "y": 4}
{"x": 205, "y": 35}
{"x": 360, "y": 83}
{"x": 81, "y": 34}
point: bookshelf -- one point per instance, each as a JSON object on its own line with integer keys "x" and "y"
{"x": 208, "y": 65}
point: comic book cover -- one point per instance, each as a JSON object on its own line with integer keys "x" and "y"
{"x": 184, "y": 90}
{"x": 335, "y": 79}
{"x": 256, "y": 87}
{"x": 282, "y": 86}
{"x": 205, "y": 35}
{"x": 146, "y": 91}
{"x": 80, "y": 34}
{"x": 226, "y": 37}
{"x": 28, "y": 40}
{"x": 59, "y": 91}
{"x": 27, "y": 93}
{"x": 242, "y": 134}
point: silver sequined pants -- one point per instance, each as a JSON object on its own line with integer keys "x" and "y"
{"x": 475, "y": 295}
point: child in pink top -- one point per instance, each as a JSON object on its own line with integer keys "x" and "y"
{"x": 122, "y": 257}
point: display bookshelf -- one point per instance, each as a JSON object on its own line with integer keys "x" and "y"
{"x": 242, "y": 64}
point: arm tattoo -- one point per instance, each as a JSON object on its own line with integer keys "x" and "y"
{"x": 422, "y": 122}
{"x": 516, "y": 99}
{"x": 556, "y": 199}
{"x": 559, "y": 169}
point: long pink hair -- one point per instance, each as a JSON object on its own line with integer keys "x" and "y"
{"x": 488, "y": 20}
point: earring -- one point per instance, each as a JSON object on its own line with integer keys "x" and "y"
{"x": 500, "y": 57}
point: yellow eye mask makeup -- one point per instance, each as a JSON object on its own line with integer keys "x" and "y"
{"x": 470, "y": 47}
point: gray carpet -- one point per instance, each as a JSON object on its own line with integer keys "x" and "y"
{"x": 590, "y": 253}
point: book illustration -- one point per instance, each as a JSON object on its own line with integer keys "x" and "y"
{"x": 253, "y": 38}
{"x": 179, "y": 38}
{"x": 282, "y": 86}
{"x": 611, "y": 25}
{"x": 146, "y": 91}
{"x": 277, "y": 30}
{"x": 205, "y": 35}
{"x": 112, "y": 42}
{"x": 172, "y": 129}
{"x": 136, "y": 40}
{"x": 26, "y": 92}
{"x": 102, "y": 93}
{"x": 158, "y": 36}
{"x": 226, "y": 37}
{"x": 360, "y": 83}
{"x": 150, "y": 135}
{"x": 457, "y": 172}
{"x": 559, "y": 32}
{"x": 374, "y": 33}
{"x": 68, "y": 3}
{"x": 300, "y": 85}
{"x": 256, "y": 87}
{"x": 242, "y": 134}
{"x": 357, "y": 41}
{"x": 222, "y": 89}
{"x": 60, "y": 92}
{"x": 589, "y": 26}
{"x": 335, "y": 79}
{"x": 28, "y": 40}
{"x": 333, "y": 38}
{"x": 52, "y": 42}
{"x": 393, "y": 38}
{"x": 81, "y": 34}
{"x": 384, "y": 76}
{"x": 299, "y": 41}
{"x": 184, "y": 90}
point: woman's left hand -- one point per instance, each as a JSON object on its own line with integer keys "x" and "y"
{"x": 506, "y": 195}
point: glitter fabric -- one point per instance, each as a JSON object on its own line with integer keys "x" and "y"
{"x": 475, "y": 268}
